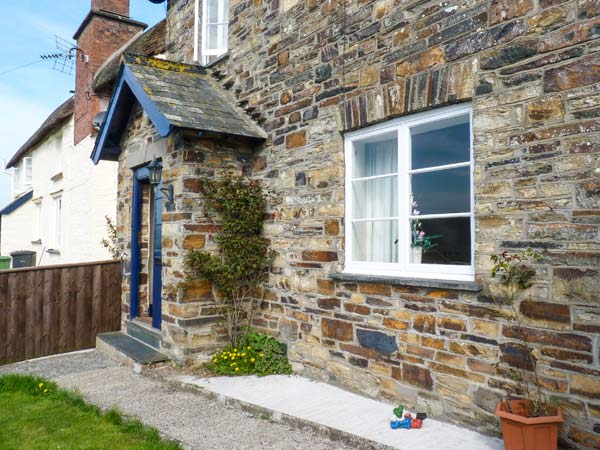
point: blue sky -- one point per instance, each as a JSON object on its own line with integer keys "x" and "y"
{"x": 29, "y": 95}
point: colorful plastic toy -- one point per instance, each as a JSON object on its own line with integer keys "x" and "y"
{"x": 406, "y": 420}
{"x": 405, "y": 423}
{"x": 399, "y": 411}
{"x": 416, "y": 423}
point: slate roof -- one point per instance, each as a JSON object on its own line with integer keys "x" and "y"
{"x": 174, "y": 95}
{"x": 189, "y": 98}
{"x": 58, "y": 116}
{"x": 148, "y": 43}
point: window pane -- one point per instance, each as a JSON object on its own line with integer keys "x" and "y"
{"x": 375, "y": 241}
{"x": 376, "y": 157}
{"x": 449, "y": 238}
{"x": 16, "y": 178}
{"x": 442, "y": 142}
{"x": 442, "y": 191}
{"x": 211, "y": 36}
{"x": 375, "y": 198}
{"x": 222, "y": 37}
{"x": 212, "y": 11}
{"x": 224, "y": 11}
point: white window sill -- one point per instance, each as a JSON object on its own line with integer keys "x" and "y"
{"x": 455, "y": 284}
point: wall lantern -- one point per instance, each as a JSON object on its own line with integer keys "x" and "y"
{"x": 155, "y": 175}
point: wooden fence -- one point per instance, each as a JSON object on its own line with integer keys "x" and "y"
{"x": 56, "y": 309}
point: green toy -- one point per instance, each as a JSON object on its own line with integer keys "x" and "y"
{"x": 398, "y": 412}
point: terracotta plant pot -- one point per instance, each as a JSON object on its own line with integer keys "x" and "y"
{"x": 527, "y": 433}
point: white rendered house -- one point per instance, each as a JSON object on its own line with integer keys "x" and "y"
{"x": 60, "y": 199}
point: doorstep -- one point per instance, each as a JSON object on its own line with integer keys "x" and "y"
{"x": 337, "y": 413}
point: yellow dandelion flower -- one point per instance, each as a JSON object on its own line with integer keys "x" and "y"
{"x": 249, "y": 348}
{"x": 252, "y": 360}
{"x": 40, "y": 385}
{"x": 45, "y": 391}
{"x": 237, "y": 369}
{"x": 235, "y": 350}
{"x": 243, "y": 354}
{"x": 231, "y": 365}
{"x": 262, "y": 355}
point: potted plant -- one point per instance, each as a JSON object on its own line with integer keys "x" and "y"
{"x": 529, "y": 419}
{"x": 419, "y": 242}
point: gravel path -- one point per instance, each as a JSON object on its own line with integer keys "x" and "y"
{"x": 196, "y": 422}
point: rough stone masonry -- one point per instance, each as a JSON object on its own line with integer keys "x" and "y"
{"x": 310, "y": 70}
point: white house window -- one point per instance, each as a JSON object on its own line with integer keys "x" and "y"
{"x": 212, "y": 25}
{"x": 22, "y": 176}
{"x": 57, "y": 222}
{"x": 409, "y": 197}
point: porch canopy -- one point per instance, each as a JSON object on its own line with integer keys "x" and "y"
{"x": 173, "y": 95}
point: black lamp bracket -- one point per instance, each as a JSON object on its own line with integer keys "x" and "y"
{"x": 168, "y": 191}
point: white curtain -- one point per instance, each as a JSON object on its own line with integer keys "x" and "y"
{"x": 376, "y": 240}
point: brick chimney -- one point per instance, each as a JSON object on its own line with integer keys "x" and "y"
{"x": 120, "y": 7}
{"x": 105, "y": 29}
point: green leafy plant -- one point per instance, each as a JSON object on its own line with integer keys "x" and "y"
{"x": 255, "y": 354}
{"x": 110, "y": 242}
{"x": 516, "y": 277}
{"x": 241, "y": 265}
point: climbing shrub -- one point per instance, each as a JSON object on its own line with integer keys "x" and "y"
{"x": 241, "y": 265}
{"x": 255, "y": 354}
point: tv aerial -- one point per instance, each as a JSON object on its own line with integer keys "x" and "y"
{"x": 65, "y": 56}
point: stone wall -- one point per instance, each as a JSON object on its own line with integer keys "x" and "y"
{"x": 311, "y": 70}
{"x": 190, "y": 318}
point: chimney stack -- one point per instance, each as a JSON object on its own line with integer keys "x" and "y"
{"x": 105, "y": 29}
{"x": 120, "y": 7}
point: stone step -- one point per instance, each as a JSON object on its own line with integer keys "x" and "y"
{"x": 145, "y": 333}
{"x": 127, "y": 350}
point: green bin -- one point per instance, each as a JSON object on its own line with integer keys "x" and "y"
{"x": 4, "y": 262}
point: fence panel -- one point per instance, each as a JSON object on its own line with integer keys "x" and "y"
{"x": 56, "y": 309}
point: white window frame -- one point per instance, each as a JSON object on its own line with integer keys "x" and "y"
{"x": 22, "y": 177}
{"x": 403, "y": 268}
{"x": 57, "y": 222}
{"x": 201, "y": 53}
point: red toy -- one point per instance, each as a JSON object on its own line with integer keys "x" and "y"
{"x": 416, "y": 423}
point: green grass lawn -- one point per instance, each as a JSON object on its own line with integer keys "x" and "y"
{"x": 35, "y": 414}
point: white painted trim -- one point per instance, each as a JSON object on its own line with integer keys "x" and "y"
{"x": 403, "y": 268}
{"x": 205, "y": 52}
{"x": 437, "y": 168}
{"x": 376, "y": 177}
{"x": 196, "y": 30}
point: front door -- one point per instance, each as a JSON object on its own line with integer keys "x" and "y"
{"x": 152, "y": 235}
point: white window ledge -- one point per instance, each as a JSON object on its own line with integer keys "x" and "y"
{"x": 407, "y": 281}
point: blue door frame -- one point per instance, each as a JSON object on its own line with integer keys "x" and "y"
{"x": 141, "y": 177}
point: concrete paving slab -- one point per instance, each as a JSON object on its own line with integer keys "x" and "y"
{"x": 332, "y": 407}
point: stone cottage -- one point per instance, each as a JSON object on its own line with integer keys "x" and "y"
{"x": 369, "y": 122}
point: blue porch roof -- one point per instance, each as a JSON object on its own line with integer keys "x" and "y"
{"x": 173, "y": 95}
{"x": 16, "y": 203}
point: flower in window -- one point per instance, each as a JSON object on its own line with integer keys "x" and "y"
{"x": 419, "y": 238}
